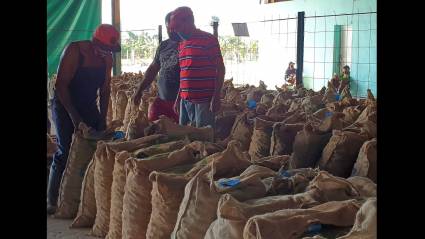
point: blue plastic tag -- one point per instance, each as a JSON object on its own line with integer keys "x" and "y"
{"x": 229, "y": 182}
{"x": 285, "y": 174}
{"x": 118, "y": 135}
{"x": 337, "y": 97}
{"x": 314, "y": 228}
{"x": 252, "y": 104}
{"x": 328, "y": 114}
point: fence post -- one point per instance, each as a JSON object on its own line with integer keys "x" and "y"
{"x": 159, "y": 33}
{"x": 215, "y": 28}
{"x": 300, "y": 48}
{"x": 116, "y": 22}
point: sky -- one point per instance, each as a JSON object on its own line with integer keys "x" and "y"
{"x": 142, "y": 14}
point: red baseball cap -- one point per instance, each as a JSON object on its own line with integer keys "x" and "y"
{"x": 179, "y": 16}
{"x": 108, "y": 36}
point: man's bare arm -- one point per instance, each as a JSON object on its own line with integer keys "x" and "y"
{"x": 67, "y": 67}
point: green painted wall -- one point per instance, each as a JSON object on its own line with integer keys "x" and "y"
{"x": 319, "y": 40}
{"x": 68, "y": 21}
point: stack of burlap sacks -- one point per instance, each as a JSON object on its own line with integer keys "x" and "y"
{"x": 299, "y": 159}
{"x": 121, "y": 108}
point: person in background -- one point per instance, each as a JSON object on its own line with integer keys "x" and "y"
{"x": 166, "y": 63}
{"x": 344, "y": 78}
{"x": 290, "y": 73}
{"x": 201, "y": 70}
{"x": 335, "y": 82}
{"x": 84, "y": 72}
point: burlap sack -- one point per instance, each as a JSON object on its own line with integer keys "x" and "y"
{"x": 311, "y": 104}
{"x": 351, "y": 114}
{"x": 340, "y": 154}
{"x": 103, "y": 177}
{"x": 242, "y": 131}
{"x": 273, "y": 162}
{"x": 255, "y": 94}
{"x": 346, "y": 100}
{"x": 297, "y": 117}
{"x": 110, "y": 113}
{"x": 365, "y": 226}
{"x": 227, "y": 107}
{"x": 137, "y": 197}
{"x": 250, "y": 186}
{"x": 291, "y": 181}
{"x": 205, "y": 148}
{"x": 198, "y": 166}
{"x": 295, "y": 105}
{"x": 267, "y": 100}
{"x": 233, "y": 95}
{"x": 117, "y": 194}
{"x": 320, "y": 186}
{"x": 167, "y": 194}
{"x": 308, "y": 146}
{"x": 326, "y": 187}
{"x": 261, "y": 109}
{"x": 199, "y": 204}
{"x": 283, "y": 137}
{"x": 322, "y": 114}
{"x": 81, "y": 151}
{"x": 87, "y": 209}
{"x": 330, "y": 94}
{"x": 130, "y": 110}
{"x": 232, "y": 214}
{"x": 345, "y": 94}
{"x": 196, "y": 221}
{"x": 166, "y": 126}
{"x": 292, "y": 223}
{"x": 277, "y": 110}
{"x": 366, "y": 165}
{"x": 334, "y": 121}
{"x": 223, "y": 126}
{"x": 365, "y": 186}
{"x": 300, "y": 92}
{"x": 137, "y": 125}
{"x": 284, "y": 98}
{"x": 369, "y": 113}
{"x": 370, "y": 100}
{"x": 366, "y": 128}
{"x": 120, "y": 105}
{"x": 160, "y": 148}
{"x": 260, "y": 142}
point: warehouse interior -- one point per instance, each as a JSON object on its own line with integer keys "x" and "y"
{"x": 288, "y": 155}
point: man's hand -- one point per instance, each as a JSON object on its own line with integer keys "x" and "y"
{"x": 215, "y": 104}
{"x": 137, "y": 97}
{"x": 176, "y": 106}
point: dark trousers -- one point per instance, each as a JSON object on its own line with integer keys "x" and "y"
{"x": 64, "y": 132}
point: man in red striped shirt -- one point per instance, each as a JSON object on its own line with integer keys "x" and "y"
{"x": 201, "y": 70}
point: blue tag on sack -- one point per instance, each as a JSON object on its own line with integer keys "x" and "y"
{"x": 252, "y": 104}
{"x": 314, "y": 228}
{"x": 285, "y": 174}
{"x": 118, "y": 135}
{"x": 337, "y": 96}
{"x": 229, "y": 182}
{"x": 328, "y": 114}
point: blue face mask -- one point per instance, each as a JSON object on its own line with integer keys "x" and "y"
{"x": 183, "y": 36}
{"x": 175, "y": 37}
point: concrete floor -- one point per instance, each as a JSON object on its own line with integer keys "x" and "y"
{"x": 59, "y": 228}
